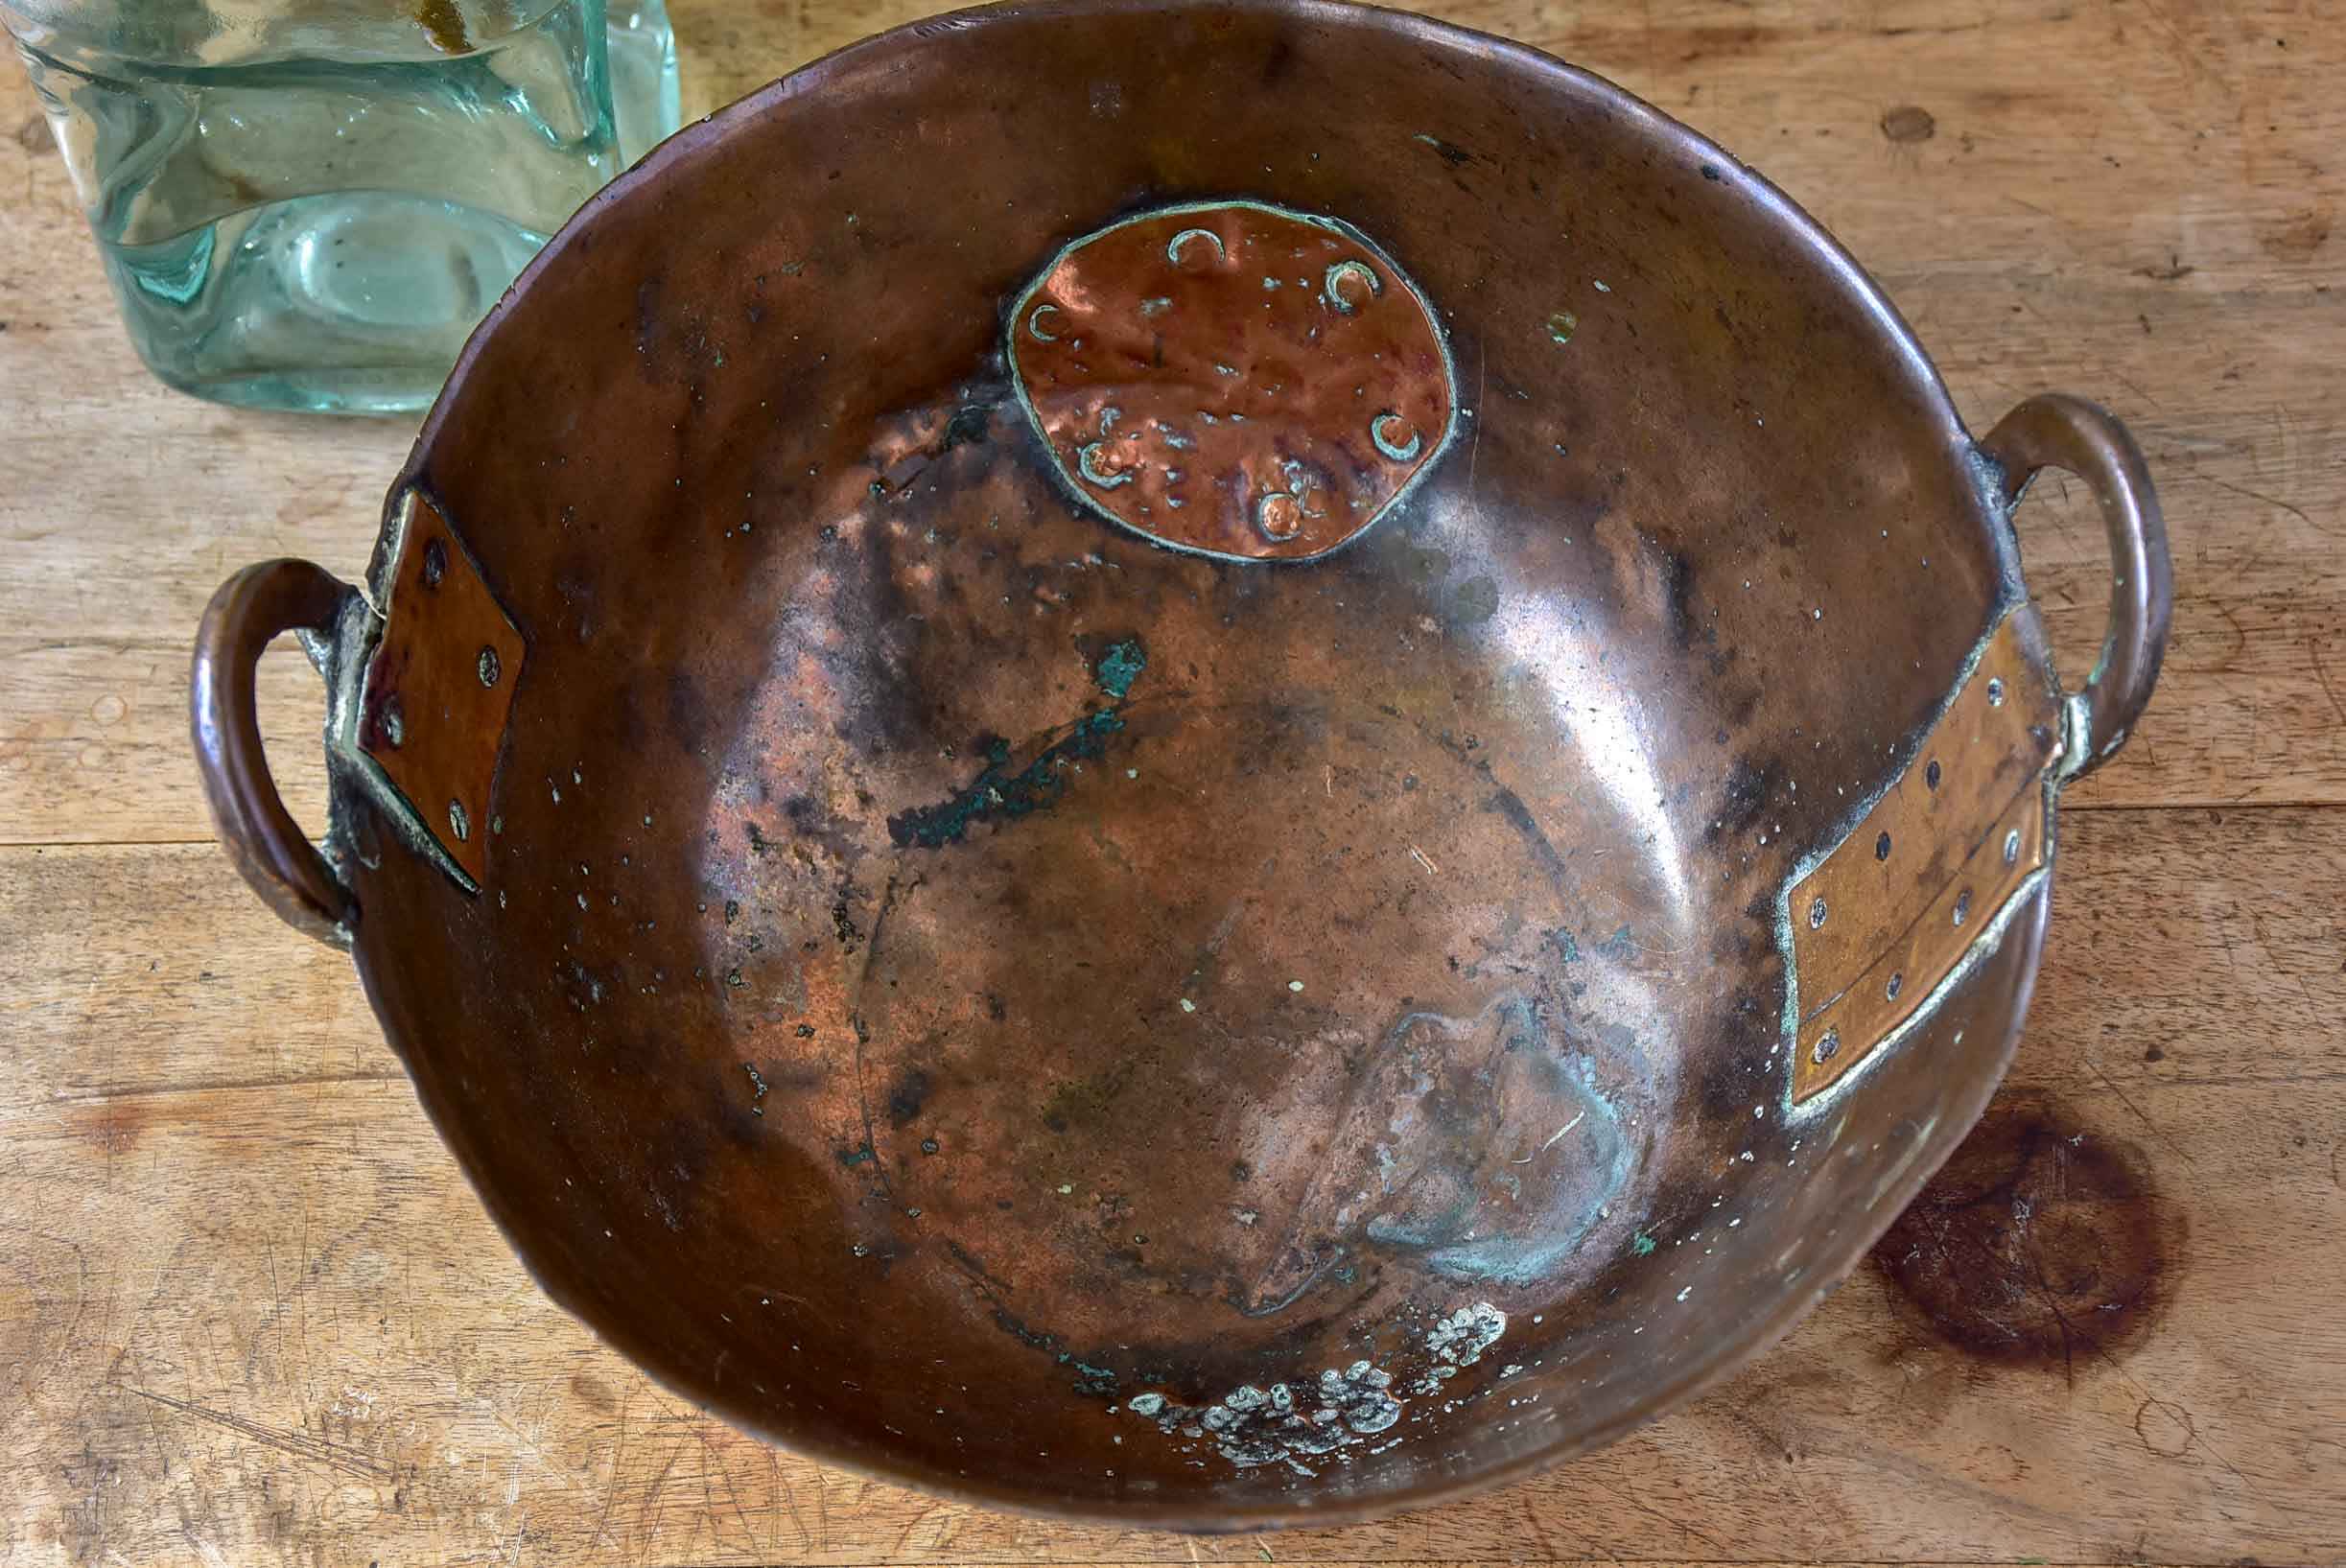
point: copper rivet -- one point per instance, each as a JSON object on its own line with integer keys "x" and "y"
{"x": 1881, "y": 848}
{"x": 488, "y": 667}
{"x": 1962, "y": 906}
{"x": 1828, "y": 1045}
{"x": 2011, "y": 848}
{"x": 1930, "y": 775}
{"x": 436, "y": 562}
{"x": 1815, "y": 914}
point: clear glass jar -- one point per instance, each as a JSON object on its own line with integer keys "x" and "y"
{"x": 310, "y": 203}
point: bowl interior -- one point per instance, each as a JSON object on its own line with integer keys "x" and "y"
{"x": 972, "y": 991}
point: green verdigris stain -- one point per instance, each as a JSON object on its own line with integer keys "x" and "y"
{"x": 1119, "y": 666}
{"x": 1096, "y": 1380}
{"x": 1621, "y": 945}
{"x": 1641, "y": 1244}
{"x": 999, "y": 793}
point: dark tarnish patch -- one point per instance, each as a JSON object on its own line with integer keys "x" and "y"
{"x": 1510, "y": 804}
{"x": 1742, "y": 799}
{"x": 972, "y": 423}
{"x": 687, "y": 1150}
{"x": 890, "y": 713}
{"x": 1277, "y": 62}
{"x": 1000, "y": 794}
{"x": 905, "y": 1100}
{"x": 842, "y": 917}
{"x": 688, "y": 714}
{"x": 1676, "y": 573}
{"x": 1742, "y": 1074}
{"x": 2040, "y": 1243}
{"x": 648, "y": 317}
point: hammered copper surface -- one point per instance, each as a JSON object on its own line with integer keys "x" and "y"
{"x": 1165, "y": 1034}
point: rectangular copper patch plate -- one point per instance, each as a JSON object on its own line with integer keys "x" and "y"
{"x": 440, "y": 685}
{"x": 1875, "y": 934}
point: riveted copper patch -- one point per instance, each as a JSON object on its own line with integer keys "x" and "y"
{"x": 440, "y": 685}
{"x": 1235, "y": 378}
{"x": 1882, "y": 919}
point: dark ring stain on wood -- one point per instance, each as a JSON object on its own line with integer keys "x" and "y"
{"x": 2042, "y": 1242}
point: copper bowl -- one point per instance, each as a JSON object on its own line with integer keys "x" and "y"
{"x": 1194, "y": 764}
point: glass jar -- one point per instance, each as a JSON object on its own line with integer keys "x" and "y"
{"x": 309, "y": 204}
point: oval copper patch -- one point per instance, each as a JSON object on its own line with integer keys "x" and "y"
{"x": 1234, "y": 378}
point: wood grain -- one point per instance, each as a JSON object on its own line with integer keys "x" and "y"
{"x": 251, "y": 1314}
{"x": 240, "y": 1255}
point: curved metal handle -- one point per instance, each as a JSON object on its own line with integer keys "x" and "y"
{"x": 2057, "y": 430}
{"x": 250, "y": 610}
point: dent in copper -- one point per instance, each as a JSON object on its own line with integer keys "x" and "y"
{"x": 439, "y": 686}
{"x": 1234, "y": 378}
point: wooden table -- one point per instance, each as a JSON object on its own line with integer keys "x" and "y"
{"x": 249, "y": 1313}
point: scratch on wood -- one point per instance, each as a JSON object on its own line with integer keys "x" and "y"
{"x": 646, "y": 1520}
{"x": 333, "y": 1456}
{"x": 82, "y": 1093}
{"x": 2181, "y": 1153}
{"x": 2313, "y": 652}
{"x": 2295, "y": 511}
{"x": 610, "y": 1490}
